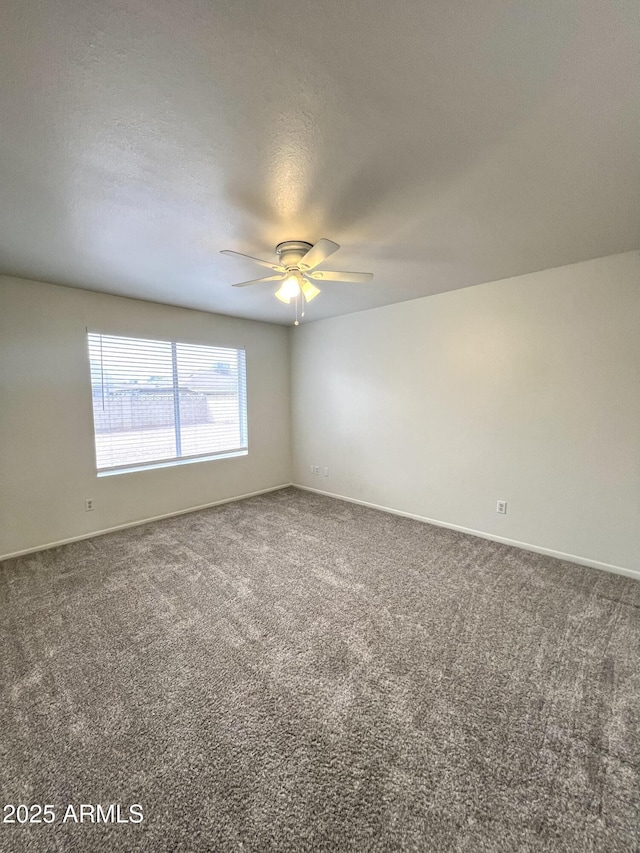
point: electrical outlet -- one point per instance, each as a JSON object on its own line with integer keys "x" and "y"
{"x": 311, "y": 469}
{"x": 501, "y": 507}
{"x": 316, "y": 469}
{"x": 88, "y": 504}
{"x": 325, "y": 472}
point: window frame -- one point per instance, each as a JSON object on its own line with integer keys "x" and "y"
{"x": 171, "y": 461}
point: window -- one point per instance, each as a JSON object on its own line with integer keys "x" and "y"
{"x": 162, "y": 403}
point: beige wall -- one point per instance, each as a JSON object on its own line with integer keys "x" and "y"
{"x": 47, "y": 462}
{"x": 525, "y": 390}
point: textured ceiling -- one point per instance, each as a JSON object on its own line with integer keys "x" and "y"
{"x": 442, "y": 145}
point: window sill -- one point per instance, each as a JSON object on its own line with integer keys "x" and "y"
{"x": 149, "y": 466}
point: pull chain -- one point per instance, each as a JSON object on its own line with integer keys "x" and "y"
{"x": 300, "y": 297}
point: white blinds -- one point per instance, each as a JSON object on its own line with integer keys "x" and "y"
{"x": 161, "y": 401}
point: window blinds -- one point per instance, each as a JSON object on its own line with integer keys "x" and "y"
{"x": 162, "y": 401}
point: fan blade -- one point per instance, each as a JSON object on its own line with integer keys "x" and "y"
{"x": 331, "y": 275}
{"x": 317, "y": 254}
{"x": 267, "y": 264}
{"x": 259, "y": 280}
{"x": 309, "y": 291}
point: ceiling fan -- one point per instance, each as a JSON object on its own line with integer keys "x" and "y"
{"x": 297, "y": 270}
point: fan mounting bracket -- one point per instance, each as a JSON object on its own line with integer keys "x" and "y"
{"x": 291, "y": 251}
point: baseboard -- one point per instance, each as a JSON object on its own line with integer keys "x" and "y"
{"x": 140, "y": 521}
{"x": 526, "y": 546}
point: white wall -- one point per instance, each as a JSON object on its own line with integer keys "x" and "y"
{"x": 526, "y": 390}
{"x": 47, "y": 461}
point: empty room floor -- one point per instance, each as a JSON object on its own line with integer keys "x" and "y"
{"x": 293, "y": 672}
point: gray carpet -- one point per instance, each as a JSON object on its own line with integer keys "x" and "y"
{"x": 293, "y": 672}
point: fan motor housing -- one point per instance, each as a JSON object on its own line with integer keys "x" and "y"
{"x": 291, "y": 251}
